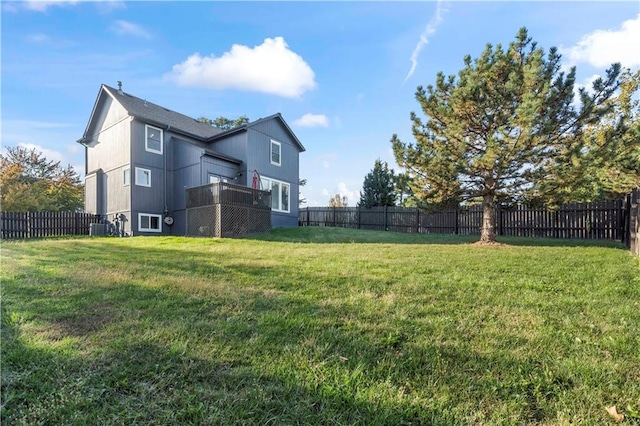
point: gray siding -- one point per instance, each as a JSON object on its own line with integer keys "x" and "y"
{"x": 112, "y": 149}
{"x": 259, "y": 158}
{"x": 118, "y": 142}
{"x": 253, "y": 146}
{"x": 235, "y": 146}
{"x": 91, "y": 194}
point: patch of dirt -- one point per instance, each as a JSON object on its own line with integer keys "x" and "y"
{"x": 83, "y": 325}
{"x": 490, "y": 244}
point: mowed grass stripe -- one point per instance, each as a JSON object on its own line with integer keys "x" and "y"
{"x": 318, "y": 326}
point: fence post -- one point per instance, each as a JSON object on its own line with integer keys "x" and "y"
{"x": 334, "y": 216}
{"x": 624, "y": 222}
{"x": 417, "y": 220}
{"x": 359, "y": 217}
{"x": 499, "y": 214}
{"x": 308, "y": 216}
{"x": 456, "y": 224}
{"x": 385, "y": 218}
{"x": 28, "y": 220}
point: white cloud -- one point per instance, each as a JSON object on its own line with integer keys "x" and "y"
{"x": 341, "y": 188}
{"x": 352, "y": 196}
{"x": 110, "y": 5}
{"x": 428, "y": 31}
{"x": 269, "y": 68}
{"x": 42, "y": 6}
{"x": 601, "y": 48}
{"x": 49, "y": 154}
{"x": 312, "y": 120}
{"x": 122, "y": 27}
{"x": 38, "y": 38}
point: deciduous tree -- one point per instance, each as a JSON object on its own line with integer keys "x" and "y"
{"x": 496, "y": 128}
{"x": 225, "y": 123}
{"x": 30, "y": 182}
{"x": 338, "y": 201}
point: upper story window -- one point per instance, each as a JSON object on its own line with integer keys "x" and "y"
{"x": 126, "y": 177}
{"x": 153, "y": 139}
{"x": 143, "y": 177}
{"x": 276, "y": 151}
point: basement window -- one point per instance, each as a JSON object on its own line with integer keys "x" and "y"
{"x": 149, "y": 222}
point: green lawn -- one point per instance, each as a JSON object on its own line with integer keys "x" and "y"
{"x": 318, "y": 326}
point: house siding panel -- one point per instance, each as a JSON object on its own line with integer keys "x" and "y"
{"x": 235, "y": 146}
{"x": 112, "y": 149}
{"x": 259, "y": 158}
{"x": 139, "y": 154}
{"x": 218, "y": 167}
{"x": 91, "y": 193}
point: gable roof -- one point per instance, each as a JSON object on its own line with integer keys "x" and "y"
{"x": 168, "y": 119}
{"x": 150, "y": 112}
{"x": 247, "y": 126}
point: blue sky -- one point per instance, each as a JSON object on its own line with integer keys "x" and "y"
{"x": 343, "y": 74}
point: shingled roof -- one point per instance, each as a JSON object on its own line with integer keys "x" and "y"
{"x": 156, "y": 114}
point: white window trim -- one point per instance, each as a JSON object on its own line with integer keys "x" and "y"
{"x": 279, "y": 152}
{"x": 280, "y": 183}
{"x": 124, "y": 176}
{"x": 146, "y": 139}
{"x": 141, "y": 229}
{"x": 136, "y": 177}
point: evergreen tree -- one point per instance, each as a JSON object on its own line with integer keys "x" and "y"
{"x": 378, "y": 188}
{"x": 495, "y": 130}
{"x": 29, "y": 182}
{"x": 605, "y": 163}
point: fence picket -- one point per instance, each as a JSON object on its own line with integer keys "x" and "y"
{"x": 21, "y": 225}
{"x": 603, "y": 220}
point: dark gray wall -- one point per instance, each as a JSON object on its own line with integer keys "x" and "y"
{"x": 253, "y": 146}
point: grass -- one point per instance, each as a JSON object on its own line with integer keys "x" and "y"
{"x": 318, "y": 326}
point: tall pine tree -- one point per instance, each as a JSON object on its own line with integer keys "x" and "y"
{"x": 378, "y": 188}
{"x": 494, "y": 130}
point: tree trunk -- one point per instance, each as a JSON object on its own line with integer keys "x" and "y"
{"x": 488, "y": 231}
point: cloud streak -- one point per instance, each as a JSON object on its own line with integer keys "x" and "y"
{"x": 122, "y": 27}
{"x": 429, "y": 30}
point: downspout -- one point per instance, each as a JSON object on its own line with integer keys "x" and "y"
{"x": 166, "y": 153}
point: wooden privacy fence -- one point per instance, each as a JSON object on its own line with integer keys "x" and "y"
{"x": 17, "y": 225}
{"x": 633, "y": 230}
{"x": 602, "y": 220}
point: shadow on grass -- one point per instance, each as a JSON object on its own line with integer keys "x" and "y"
{"x": 133, "y": 374}
{"x": 244, "y": 355}
{"x": 329, "y": 235}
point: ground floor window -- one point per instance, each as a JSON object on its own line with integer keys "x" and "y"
{"x": 149, "y": 222}
{"x": 279, "y": 194}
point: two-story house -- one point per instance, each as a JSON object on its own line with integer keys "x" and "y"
{"x": 140, "y": 158}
